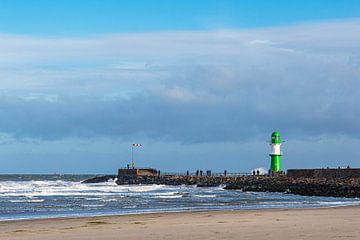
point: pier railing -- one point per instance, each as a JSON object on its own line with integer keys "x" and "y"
{"x": 204, "y": 174}
{"x": 198, "y": 173}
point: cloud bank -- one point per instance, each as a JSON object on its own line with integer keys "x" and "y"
{"x": 189, "y": 87}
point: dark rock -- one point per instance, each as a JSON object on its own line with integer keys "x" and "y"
{"x": 100, "y": 179}
{"x": 301, "y": 186}
{"x": 336, "y": 187}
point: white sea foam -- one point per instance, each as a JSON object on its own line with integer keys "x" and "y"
{"x": 93, "y": 198}
{"x": 27, "y": 201}
{"x": 145, "y": 188}
{"x": 167, "y": 196}
{"x": 62, "y": 188}
{"x": 110, "y": 200}
{"x": 203, "y": 196}
{"x": 339, "y": 203}
{"x": 92, "y": 205}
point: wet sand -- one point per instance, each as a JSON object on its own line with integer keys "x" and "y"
{"x": 280, "y": 224}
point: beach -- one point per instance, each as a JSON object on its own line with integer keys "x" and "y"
{"x": 309, "y": 223}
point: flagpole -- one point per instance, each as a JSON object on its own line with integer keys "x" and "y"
{"x": 132, "y": 155}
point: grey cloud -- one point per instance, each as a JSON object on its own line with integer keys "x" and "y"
{"x": 190, "y": 87}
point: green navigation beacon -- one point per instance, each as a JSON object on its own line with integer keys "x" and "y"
{"x": 275, "y": 153}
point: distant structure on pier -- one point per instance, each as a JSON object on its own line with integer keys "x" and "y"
{"x": 137, "y": 172}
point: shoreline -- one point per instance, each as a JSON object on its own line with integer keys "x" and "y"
{"x": 175, "y": 212}
{"x": 305, "y": 223}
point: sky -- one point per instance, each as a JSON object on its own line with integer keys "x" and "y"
{"x": 200, "y": 84}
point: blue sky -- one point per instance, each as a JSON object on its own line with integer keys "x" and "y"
{"x": 200, "y": 84}
{"x": 66, "y": 17}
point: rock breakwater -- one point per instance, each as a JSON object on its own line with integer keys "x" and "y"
{"x": 349, "y": 188}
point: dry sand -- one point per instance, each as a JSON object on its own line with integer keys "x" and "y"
{"x": 322, "y": 223}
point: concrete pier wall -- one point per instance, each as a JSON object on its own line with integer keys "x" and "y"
{"x": 325, "y": 173}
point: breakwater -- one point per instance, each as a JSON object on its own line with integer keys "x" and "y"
{"x": 335, "y": 187}
{"x": 302, "y": 186}
{"x": 325, "y": 173}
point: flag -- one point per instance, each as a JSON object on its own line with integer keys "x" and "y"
{"x": 136, "y": 144}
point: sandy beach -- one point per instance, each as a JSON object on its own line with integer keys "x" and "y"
{"x": 320, "y": 223}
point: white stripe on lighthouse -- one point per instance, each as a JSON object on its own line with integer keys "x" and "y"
{"x": 275, "y": 149}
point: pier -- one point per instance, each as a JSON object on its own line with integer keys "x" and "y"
{"x": 339, "y": 185}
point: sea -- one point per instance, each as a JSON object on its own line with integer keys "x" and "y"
{"x": 51, "y": 196}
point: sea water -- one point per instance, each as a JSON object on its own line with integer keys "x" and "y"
{"x": 44, "y": 196}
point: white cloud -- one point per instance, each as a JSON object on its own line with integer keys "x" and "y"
{"x": 197, "y": 97}
{"x": 301, "y": 78}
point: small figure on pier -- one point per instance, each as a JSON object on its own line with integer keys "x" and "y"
{"x": 225, "y": 172}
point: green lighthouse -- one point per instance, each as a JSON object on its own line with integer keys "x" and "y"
{"x": 275, "y": 153}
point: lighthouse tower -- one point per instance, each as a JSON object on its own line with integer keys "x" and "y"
{"x": 275, "y": 152}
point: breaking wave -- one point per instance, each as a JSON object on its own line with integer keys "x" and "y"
{"x": 49, "y": 198}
